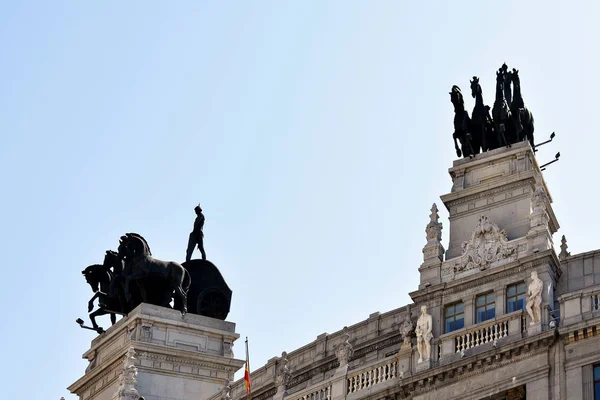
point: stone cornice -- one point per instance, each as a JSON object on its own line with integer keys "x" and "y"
{"x": 476, "y": 192}
{"x": 491, "y": 275}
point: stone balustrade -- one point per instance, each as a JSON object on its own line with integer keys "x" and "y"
{"x": 319, "y": 393}
{"x": 490, "y": 331}
{"x": 579, "y": 305}
{"x": 373, "y": 375}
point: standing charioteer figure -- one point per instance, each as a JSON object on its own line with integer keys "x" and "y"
{"x": 197, "y": 235}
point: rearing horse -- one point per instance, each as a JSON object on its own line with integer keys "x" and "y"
{"x": 155, "y": 277}
{"x": 481, "y": 122}
{"x": 501, "y": 112}
{"x": 462, "y": 124}
{"x": 522, "y": 117}
{"x": 107, "y": 286}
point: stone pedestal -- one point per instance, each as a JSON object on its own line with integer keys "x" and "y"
{"x": 177, "y": 358}
{"x": 423, "y": 365}
{"x": 534, "y": 329}
{"x": 405, "y": 361}
{"x": 501, "y": 185}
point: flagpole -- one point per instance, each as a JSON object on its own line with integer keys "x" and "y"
{"x": 248, "y": 369}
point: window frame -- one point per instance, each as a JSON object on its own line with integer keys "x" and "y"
{"x": 485, "y": 306}
{"x": 453, "y": 316}
{"x": 516, "y": 296}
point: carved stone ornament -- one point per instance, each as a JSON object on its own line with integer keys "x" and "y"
{"x": 434, "y": 227}
{"x": 226, "y": 391}
{"x": 488, "y": 244}
{"x": 127, "y": 390}
{"x": 344, "y": 350}
{"x": 283, "y": 374}
{"x": 406, "y": 329}
{"x": 563, "y": 249}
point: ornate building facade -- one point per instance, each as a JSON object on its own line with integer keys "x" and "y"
{"x": 500, "y": 314}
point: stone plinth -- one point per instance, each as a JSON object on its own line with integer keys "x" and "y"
{"x": 177, "y": 358}
{"x": 499, "y": 184}
{"x": 423, "y": 366}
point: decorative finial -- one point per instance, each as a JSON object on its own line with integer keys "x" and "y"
{"x": 563, "y": 249}
{"x": 434, "y": 228}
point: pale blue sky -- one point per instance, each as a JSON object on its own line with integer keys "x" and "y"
{"x": 316, "y": 135}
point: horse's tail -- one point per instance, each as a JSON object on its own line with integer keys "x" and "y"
{"x": 187, "y": 280}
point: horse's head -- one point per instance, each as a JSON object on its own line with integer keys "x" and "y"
{"x": 133, "y": 245}
{"x": 499, "y": 80}
{"x": 113, "y": 260}
{"x": 456, "y": 95}
{"x": 515, "y": 78}
{"x": 475, "y": 87}
{"x": 96, "y": 274}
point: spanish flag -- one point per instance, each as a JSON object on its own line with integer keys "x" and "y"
{"x": 247, "y": 371}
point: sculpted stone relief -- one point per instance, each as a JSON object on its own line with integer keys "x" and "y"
{"x": 488, "y": 244}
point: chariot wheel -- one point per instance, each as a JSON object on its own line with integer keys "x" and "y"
{"x": 212, "y": 303}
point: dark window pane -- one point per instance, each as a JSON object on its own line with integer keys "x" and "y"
{"x": 460, "y": 307}
{"x": 480, "y": 315}
{"x": 459, "y": 324}
{"x": 597, "y": 373}
{"x": 597, "y": 391}
{"x": 511, "y": 306}
{"x": 491, "y": 313}
{"x": 449, "y": 325}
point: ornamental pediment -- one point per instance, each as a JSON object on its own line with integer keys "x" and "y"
{"x": 488, "y": 244}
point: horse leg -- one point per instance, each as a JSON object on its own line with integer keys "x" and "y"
{"x": 95, "y": 314}
{"x": 180, "y": 293}
{"x": 113, "y": 318}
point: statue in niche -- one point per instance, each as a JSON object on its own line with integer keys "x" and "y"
{"x": 283, "y": 374}
{"x": 344, "y": 350}
{"x": 534, "y": 299}
{"x": 424, "y": 335}
{"x": 197, "y": 235}
{"x": 406, "y": 329}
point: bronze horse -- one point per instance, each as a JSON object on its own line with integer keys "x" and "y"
{"x": 462, "y": 125}
{"x": 107, "y": 287}
{"x": 481, "y": 121}
{"x": 501, "y": 113}
{"x": 522, "y": 117}
{"x": 156, "y": 279}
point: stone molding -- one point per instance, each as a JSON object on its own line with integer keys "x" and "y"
{"x": 515, "y": 267}
{"x": 481, "y": 194}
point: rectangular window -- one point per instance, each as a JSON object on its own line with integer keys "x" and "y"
{"x": 485, "y": 307}
{"x": 597, "y": 382}
{"x": 454, "y": 317}
{"x": 515, "y": 297}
